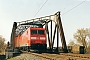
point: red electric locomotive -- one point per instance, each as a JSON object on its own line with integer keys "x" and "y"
{"x": 32, "y": 38}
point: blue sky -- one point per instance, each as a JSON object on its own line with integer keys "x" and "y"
{"x": 21, "y": 10}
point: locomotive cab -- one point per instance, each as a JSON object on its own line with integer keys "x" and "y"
{"x": 38, "y": 38}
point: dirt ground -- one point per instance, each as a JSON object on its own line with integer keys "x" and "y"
{"x": 61, "y": 57}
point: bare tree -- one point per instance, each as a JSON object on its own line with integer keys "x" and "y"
{"x": 89, "y": 33}
{"x": 82, "y": 36}
{"x": 71, "y": 43}
{"x": 88, "y": 44}
{"x": 2, "y": 44}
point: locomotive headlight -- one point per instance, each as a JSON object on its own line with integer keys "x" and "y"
{"x": 42, "y": 38}
{"x": 33, "y": 38}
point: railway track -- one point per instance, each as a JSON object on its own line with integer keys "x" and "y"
{"x": 61, "y": 56}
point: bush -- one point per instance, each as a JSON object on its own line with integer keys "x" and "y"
{"x": 2, "y": 44}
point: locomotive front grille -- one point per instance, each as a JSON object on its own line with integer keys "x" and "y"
{"x": 38, "y": 46}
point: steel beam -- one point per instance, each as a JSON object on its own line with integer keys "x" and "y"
{"x": 46, "y": 26}
{"x": 13, "y": 34}
{"x": 54, "y": 35}
{"x": 61, "y": 32}
{"x": 51, "y": 34}
{"x": 57, "y": 39}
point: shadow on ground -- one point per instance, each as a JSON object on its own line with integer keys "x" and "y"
{"x": 2, "y": 57}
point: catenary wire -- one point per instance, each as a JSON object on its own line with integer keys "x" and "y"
{"x": 40, "y": 8}
{"x": 39, "y": 5}
{"x": 67, "y": 6}
{"x": 74, "y": 7}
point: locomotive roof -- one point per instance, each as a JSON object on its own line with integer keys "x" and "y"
{"x": 23, "y": 27}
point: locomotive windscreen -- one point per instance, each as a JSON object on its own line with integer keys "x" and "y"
{"x": 33, "y": 31}
{"x": 37, "y": 31}
{"x": 40, "y": 31}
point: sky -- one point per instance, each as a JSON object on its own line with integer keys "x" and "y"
{"x": 74, "y": 15}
